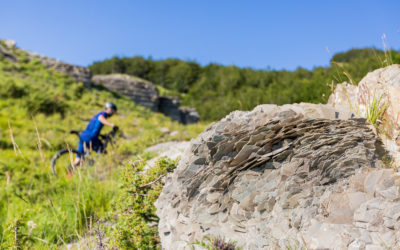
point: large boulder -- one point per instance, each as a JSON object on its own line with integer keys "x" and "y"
{"x": 140, "y": 91}
{"x": 345, "y": 95}
{"x": 379, "y": 90}
{"x": 295, "y": 176}
{"x": 145, "y": 93}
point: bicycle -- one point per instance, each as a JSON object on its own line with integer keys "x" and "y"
{"x": 61, "y": 162}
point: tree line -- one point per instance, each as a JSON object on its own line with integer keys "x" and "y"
{"x": 215, "y": 90}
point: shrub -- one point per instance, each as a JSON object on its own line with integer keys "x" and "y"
{"x": 11, "y": 89}
{"x": 46, "y": 103}
{"x": 137, "y": 223}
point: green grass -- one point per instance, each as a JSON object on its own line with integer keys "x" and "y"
{"x": 375, "y": 110}
{"x": 37, "y": 209}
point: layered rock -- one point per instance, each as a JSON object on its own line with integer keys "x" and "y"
{"x": 140, "y": 91}
{"x": 170, "y": 106}
{"x": 379, "y": 89}
{"x": 145, "y": 93}
{"x": 78, "y": 73}
{"x": 6, "y": 53}
{"x": 283, "y": 177}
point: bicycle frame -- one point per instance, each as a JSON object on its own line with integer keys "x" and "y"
{"x": 104, "y": 139}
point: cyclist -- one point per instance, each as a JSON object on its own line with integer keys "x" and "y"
{"x": 89, "y": 137}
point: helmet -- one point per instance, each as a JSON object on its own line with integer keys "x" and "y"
{"x": 112, "y": 106}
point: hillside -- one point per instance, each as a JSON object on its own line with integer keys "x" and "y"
{"x": 231, "y": 88}
{"x": 38, "y": 107}
{"x": 238, "y": 180}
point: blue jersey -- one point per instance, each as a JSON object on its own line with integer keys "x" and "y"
{"x": 93, "y": 128}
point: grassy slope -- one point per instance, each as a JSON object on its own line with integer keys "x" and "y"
{"x": 42, "y": 210}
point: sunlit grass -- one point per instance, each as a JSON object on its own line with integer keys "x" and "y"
{"x": 39, "y": 210}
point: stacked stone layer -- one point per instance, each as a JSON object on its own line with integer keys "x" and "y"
{"x": 141, "y": 92}
{"x": 278, "y": 177}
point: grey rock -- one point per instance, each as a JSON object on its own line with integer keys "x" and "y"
{"x": 382, "y": 84}
{"x": 279, "y": 177}
{"x": 4, "y": 52}
{"x": 140, "y": 91}
{"x": 145, "y": 93}
{"x": 356, "y": 245}
{"x": 374, "y": 247}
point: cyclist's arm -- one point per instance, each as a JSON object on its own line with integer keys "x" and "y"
{"x": 103, "y": 120}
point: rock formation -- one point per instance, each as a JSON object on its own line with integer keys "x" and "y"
{"x": 7, "y": 53}
{"x": 381, "y": 86}
{"x": 138, "y": 90}
{"x": 170, "y": 106}
{"x": 284, "y": 177}
{"x": 145, "y": 93}
{"x": 78, "y": 73}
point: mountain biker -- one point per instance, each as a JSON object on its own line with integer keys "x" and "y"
{"x": 89, "y": 137}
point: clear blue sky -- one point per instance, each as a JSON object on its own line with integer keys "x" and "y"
{"x": 258, "y": 34}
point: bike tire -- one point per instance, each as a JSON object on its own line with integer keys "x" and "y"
{"x": 61, "y": 161}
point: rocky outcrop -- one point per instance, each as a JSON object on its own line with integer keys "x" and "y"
{"x": 170, "y": 106}
{"x": 78, "y": 73}
{"x": 5, "y": 52}
{"x": 345, "y": 95}
{"x": 145, "y": 93}
{"x": 381, "y": 87}
{"x": 283, "y": 177}
{"x": 189, "y": 115}
{"x": 138, "y": 90}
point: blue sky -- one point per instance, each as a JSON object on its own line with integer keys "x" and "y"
{"x": 259, "y": 34}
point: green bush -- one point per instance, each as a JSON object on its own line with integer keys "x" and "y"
{"x": 11, "y": 89}
{"x": 136, "y": 227}
{"x": 47, "y": 103}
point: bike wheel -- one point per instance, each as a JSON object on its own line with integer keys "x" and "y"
{"x": 61, "y": 163}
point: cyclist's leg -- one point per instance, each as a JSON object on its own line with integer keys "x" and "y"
{"x": 81, "y": 150}
{"x": 97, "y": 145}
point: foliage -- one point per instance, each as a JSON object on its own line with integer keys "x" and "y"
{"x": 216, "y": 244}
{"x": 215, "y": 90}
{"x": 42, "y": 211}
{"x": 375, "y": 110}
{"x": 136, "y": 226}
